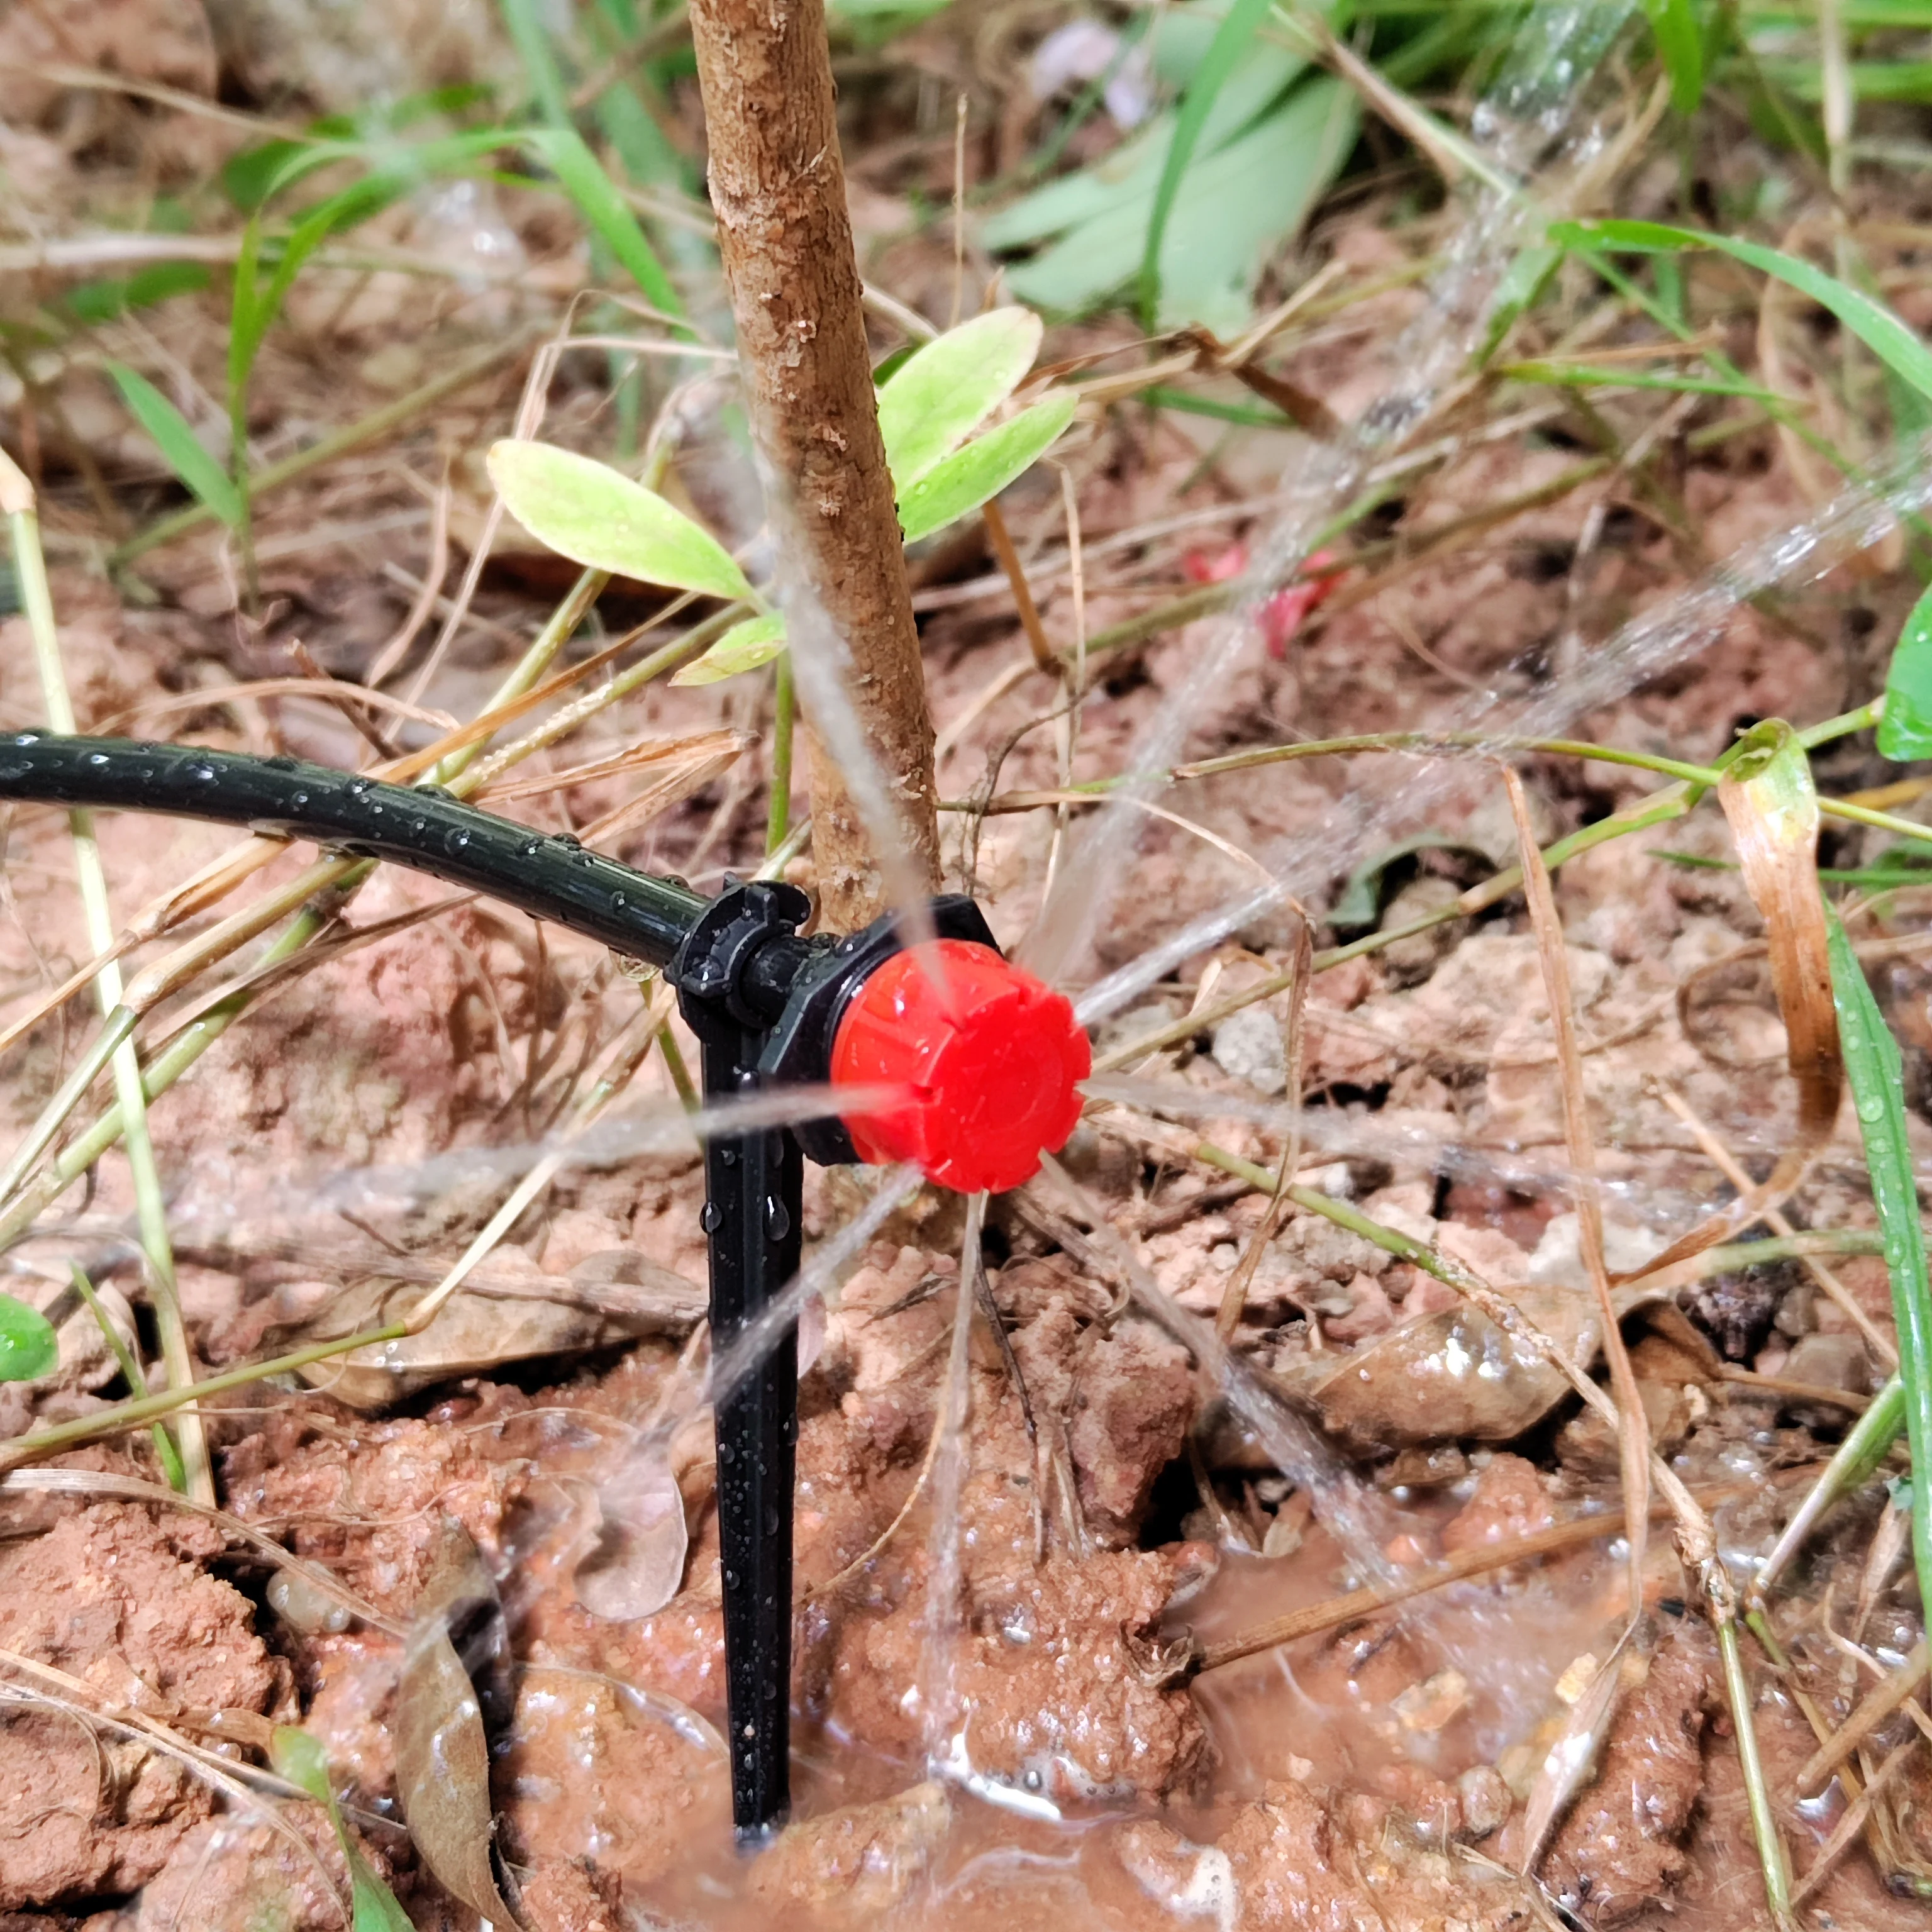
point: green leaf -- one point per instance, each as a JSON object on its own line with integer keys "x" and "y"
{"x": 1886, "y": 334}
{"x": 1229, "y": 44}
{"x": 176, "y": 441}
{"x": 299, "y": 1758}
{"x": 1905, "y": 731}
{"x": 1234, "y": 209}
{"x": 948, "y": 387}
{"x": 744, "y": 647}
{"x": 103, "y": 301}
{"x": 969, "y": 477}
{"x": 1682, "y": 48}
{"x": 28, "y": 1348}
{"x": 1123, "y": 181}
{"x": 563, "y": 151}
{"x": 591, "y": 513}
{"x": 1876, "y": 1074}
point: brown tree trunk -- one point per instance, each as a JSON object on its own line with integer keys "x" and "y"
{"x": 777, "y": 189}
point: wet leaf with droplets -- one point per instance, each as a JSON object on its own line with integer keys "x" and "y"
{"x": 1876, "y": 1072}
{"x": 443, "y": 1752}
{"x": 638, "y": 1562}
{"x": 300, "y": 1759}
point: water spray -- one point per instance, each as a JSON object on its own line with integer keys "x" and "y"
{"x": 982, "y": 1060}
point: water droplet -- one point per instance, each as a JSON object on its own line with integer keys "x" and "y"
{"x": 359, "y": 787}
{"x": 462, "y": 839}
{"x": 711, "y": 1217}
{"x": 570, "y": 841}
{"x": 98, "y": 758}
{"x": 619, "y": 902}
{"x": 778, "y": 1222}
{"x": 204, "y": 773}
{"x": 731, "y": 1579}
{"x": 298, "y": 800}
{"x": 726, "y": 1454}
{"x": 531, "y": 847}
{"x": 728, "y": 1156}
{"x": 1871, "y": 1107}
{"x": 774, "y": 1522}
{"x": 418, "y": 825}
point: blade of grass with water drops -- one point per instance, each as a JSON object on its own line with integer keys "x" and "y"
{"x": 1877, "y": 1074}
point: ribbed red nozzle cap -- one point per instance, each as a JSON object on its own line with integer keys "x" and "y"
{"x": 993, "y": 1059}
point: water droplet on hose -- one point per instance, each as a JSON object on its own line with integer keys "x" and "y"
{"x": 728, "y": 1156}
{"x": 711, "y": 1217}
{"x": 778, "y": 1222}
{"x": 731, "y": 1579}
{"x": 531, "y": 847}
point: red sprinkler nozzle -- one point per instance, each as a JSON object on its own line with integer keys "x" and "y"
{"x": 994, "y": 1059}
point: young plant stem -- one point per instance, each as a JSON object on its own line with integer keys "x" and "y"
{"x": 778, "y": 187}
{"x": 150, "y": 1201}
{"x": 785, "y": 711}
{"x": 126, "y": 1415}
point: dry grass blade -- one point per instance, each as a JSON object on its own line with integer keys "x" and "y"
{"x": 1768, "y": 797}
{"x": 1354, "y": 1605}
{"x": 1721, "y": 1158}
{"x": 1873, "y": 1710}
{"x": 1567, "y": 1765}
{"x": 103, "y": 1482}
{"x": 1852, "y": 1823}
{"x": 1234, "y": 1298}
{"x": 1632, "y": 1426}
{"x": 238, "y": 1784}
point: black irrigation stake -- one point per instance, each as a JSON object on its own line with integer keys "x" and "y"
{"x": 987, "y": 1061}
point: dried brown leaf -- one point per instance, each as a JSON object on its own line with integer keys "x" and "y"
{"x": 1768, "y": 796}
{"x": 442, "y": 1753}
{"x": 638, "y": 1562}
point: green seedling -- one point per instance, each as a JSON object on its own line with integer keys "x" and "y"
{"x": 300, "y": 1758}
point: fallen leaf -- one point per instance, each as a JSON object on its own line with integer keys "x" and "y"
{"x": 480, "y": 1327}
{"x": 455, "y": 1650}
{"x": 638, "y": 1562}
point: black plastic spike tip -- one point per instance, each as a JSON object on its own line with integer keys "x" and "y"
{"x": 751, "y": 1214}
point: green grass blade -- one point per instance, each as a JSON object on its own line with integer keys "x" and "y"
{"x": 1588, "y": 375}
{"x": 583, "y": 178}
{"x": 298, "y": 1757}
{"x": 524, "y": 21}
{"x": 1681, "y": 48}
{"x": 1876, "y": 1073}
{"x": 1886, "y": 334}
{"x": 1230, "y": 42}
{"x": 1905, "y": 731}
{"x": 176, "y": 442}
